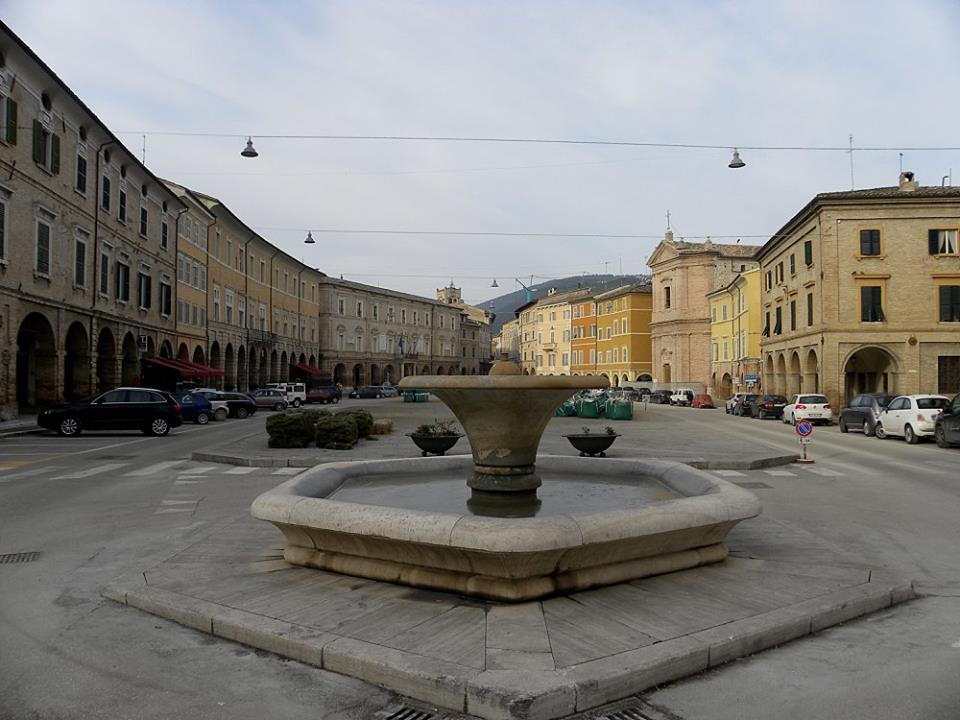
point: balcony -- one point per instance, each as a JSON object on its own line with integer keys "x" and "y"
{"x": 406, "y": 356}
{"x": 549, "y": 346}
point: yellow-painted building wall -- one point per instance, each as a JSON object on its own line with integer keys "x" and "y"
{"x": 735, "y": 327}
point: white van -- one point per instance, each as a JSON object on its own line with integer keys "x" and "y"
{"x": 683, "y": 396}
{"x": 296, "y": 392}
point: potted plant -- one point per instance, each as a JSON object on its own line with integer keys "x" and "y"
{"x": 589, "y": 443}
{"x": 436, "y": 438}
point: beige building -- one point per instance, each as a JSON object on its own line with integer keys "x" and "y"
{"x": 87, "y": 248}
{"x": 683, "y": 274}
{"x": 545, "y": 332}
{"x": 861, "y": 293}
{"x": 506, "y": 343}
{"x": 475, "y": 336}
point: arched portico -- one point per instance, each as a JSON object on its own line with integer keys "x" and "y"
{"x": 36, "y": 362}
{"x": 76, "y": 363}
{"x": 871, "y": 369}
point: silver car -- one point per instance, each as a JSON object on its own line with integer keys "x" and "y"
{"x": 272, "y": 399}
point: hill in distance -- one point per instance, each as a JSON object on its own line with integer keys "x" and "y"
{"x": 504, "y": 305}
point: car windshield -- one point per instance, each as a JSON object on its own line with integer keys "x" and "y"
{"x": 932, "y": 403}
{"x": 884, "y": 400}
{"x": 813, "y": 399}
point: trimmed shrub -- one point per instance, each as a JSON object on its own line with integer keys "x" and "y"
{"x": 291, "y": 429}
{"x": 314, "y": 413}
{"x": 363, "y": 419}
{"x": 337, "y": 432}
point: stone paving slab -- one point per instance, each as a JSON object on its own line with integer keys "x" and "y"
{"x": 544, "y": 659}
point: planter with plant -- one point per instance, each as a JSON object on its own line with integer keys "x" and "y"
{"x": 436, "y": 438}
{"x": 592, "y": 443}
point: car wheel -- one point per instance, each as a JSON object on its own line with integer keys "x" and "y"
{"x": 159, "y": 427}
{"x": 866, "y": 428}
{"x": 202, "y": 418}
{"x": 296, "y": 402}
{"x": 941, "y": 437}
{"x": 910, "y": 435}
{"x": 843, "y": 426}
{"x": 69, "y": 426}
{"x": 379, "y": 396}
{"x": 277, "y": 407}
{"x": 880, "y": 432}
{"x": 220, "y": 414}
{"x": 335, "y": 400}
{"x": 242, "y": 412}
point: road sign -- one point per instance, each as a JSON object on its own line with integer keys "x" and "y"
{"x": 804, "y": 428}
{"x": 751, "y": 378}
{"x": 805, "y": 441}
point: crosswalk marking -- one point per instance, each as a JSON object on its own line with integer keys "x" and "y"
{"x": 823, "y": 472}
{"x": 780, "y": 473}
{"x": 152, "y": 469}
{"x": 163, "y": 511}
{"x": 187, "y": 482}
{"x": 288, "y": 471}
{"x": 198, "y": 470}
{"x": 31, "y": 472}
{"x": 721, "y": 473}
{"x": 178, "y": 502}
{"x": 240, "y": 471}
{"x": 90, "y": 472}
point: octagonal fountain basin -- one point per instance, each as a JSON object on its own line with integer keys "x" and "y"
{"x": 415, "y": 522}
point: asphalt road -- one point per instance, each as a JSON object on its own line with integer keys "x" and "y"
{"x": 97, "y": 505}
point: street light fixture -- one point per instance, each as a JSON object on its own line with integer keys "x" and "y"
{"x": 736, "y": 162}
{"x": 309, "y": 240}
{"x": 249, "y": 150}
{"x": 494, "y": 283}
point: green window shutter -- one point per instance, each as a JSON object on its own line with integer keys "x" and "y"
{"x": 37, "y": 142}
{"x": 933, "y": 241}
{"x": 944, "y": 303}
{"x": 55, "y": 154}
{"x": 11, "y": 130}
{"x": 808, "y": 252}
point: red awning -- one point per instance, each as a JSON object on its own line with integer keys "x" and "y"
{"x": 310, "y": 369}
{"x": 184, "y": 367}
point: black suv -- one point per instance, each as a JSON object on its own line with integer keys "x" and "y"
{"x": 863, "y": 412}
{"x": 947, "y": 426}
{"x": 153, "y": 412}
{"x": 764, "y": 406}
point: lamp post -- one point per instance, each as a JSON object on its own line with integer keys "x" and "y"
{"x": 529, "y": 291}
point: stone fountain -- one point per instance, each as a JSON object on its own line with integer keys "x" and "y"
{"x": 505, "y": 524}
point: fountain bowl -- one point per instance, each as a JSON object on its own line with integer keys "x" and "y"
{"x": 507, "y": 559}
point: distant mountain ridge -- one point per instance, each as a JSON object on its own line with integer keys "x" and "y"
{"x": 505, "y": 305}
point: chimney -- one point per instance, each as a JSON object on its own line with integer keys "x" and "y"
{"x": 907, "y": 183}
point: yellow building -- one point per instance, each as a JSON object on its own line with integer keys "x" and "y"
{"x": 624, "y": 352}
{"x": 735, "y": 328}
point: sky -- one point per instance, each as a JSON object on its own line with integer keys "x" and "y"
{"x": 805, "y": 73}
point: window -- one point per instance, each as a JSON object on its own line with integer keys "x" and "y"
{"x": 341, "y": 306}
{"x": 144, "y": 216}
{"x": 216, "y": 303}
{"x": 263, "y": 316}
{"x": 714, "y": 352}
{"x": 263, "y": 271}
{"x": 871, "y": 303}
{"x": 122, "y": 205}
{"x": 286, "y": 281}
{"x": 713, "y": 314}
{"x": 42, "y": 264}
{"x": 144, "y": 288}
{"x": 869, "y": 242}
{"x": 229, "y": 306}
{"x": 623, "y": 353}
{"x": 376, "y": 312}
{"x": 942, "y": 242}
{"x": 808, "y": 252}
{"x": 105, "y": 272}
{"x": 948, "y": 375}
{"x": 780, "y": 272}
{"x": 793, "y": 264}
{"x": 46, "y": 148}
{"x": 778, "y": 326}
{"x": 726, "y": 349}
{"x": 81, "y": 180}
{"x": 809, "y": 309}
{"x": 766, "y": 326}
{"x": 950, "y": 303}
{"x": 723, "y": 311}
{"x": 593, "y": 356}
{"x": 793, "y": 315}
{"x": 666, "y": 297}
{"x": 241, "y": 311}
{"x": 769, "y": 280}
{"x": 123, "y": 281}
{"x": 105, "y": 194}
{"x": 3, "y": 228}
{"x": 164, "y": 235}
{"x": 166, "y": 296}
{"x": 8, "y": 119}
{"x": 80, "y": 259}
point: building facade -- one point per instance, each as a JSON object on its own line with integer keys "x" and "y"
{"x": 735, "y": 335}
{"x": 683, "y": 274}
{"x": 583, "y": 337}
{"x": 506, "y": 343}
{"x": 623, "y": 334}
{"x": 87, "y": 249}
{"x": 476, "y": 346}
{"x": 861, "y": 293}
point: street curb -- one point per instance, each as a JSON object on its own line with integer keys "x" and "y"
{"x": 540, "y": 695}
{"x": 22, "y": 431}
{"x": 224, "y": 459}
{"x": 755, "y": 464}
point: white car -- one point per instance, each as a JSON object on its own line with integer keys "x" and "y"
{"x": 682, "y": 397}
{"x": 911, "y": 417}
{"x": 295, "y": 392}
{"x": 728, "y": 405}
{"x": 812, "y": 407}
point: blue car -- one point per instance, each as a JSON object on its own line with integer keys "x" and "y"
{"x": 194, "y": 407}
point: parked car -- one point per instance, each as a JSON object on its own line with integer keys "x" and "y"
{"x": 911, "y": 417}
{"x": 742, "y": 406}
{"x": 195, "y": 408}
{"x": 271, "y": 398}
{"x": 702, "y": 401}
{"x": 863, "y": 411}
{"x": 239, "y": 405}
{"x": 730, "y": 402}
{"x": 326, "y": 394}
{"x": 294, "y": 392}
{"x": 389, "y": 391}
{"x": 660, "y": 397}
{"x": 153, "y": 412}
{"x": 947, "y": 427}
{"x": 367, "y": 391}
{"x": 682, "y": 397}
{"x": 764, "y": 406}
{"x": 815, "y": 408}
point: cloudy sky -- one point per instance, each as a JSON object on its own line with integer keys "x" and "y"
{"x": 804, "y": 73}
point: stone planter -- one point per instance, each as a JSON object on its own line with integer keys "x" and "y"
{"x": 592, "y": 444}
{"x": 434, "y": 444}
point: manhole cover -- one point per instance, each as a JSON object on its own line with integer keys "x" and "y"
{"x": 753, "y": 484}
{"x": 22, "y": 557}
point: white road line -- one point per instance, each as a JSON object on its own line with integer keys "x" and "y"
{"x": 90, "y": 472}
{"x": 288, "y": 471}
{"x": 32, "y": 472}
{"x": 240, "y": 471}
{"x": 163, "y": 511}
{"x": 179, "y": 502}
{"x": 152, "y": 469}
{"x": 823, "y": 472}
{"x": 780, "y": 473}
{"x": 197, "y": 470}
{"x": 721, "y": 473}
{"x": 187, "y": 482}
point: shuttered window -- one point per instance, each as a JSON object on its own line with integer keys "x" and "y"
{"x": 46, "y": 148}
{"x": 80, "y": 262}
{"x": 43, "y": 248}
{"x": 3, "y": 230}
{"x": 869, "y": 242}
{"x": 808, "y": 252}
{"x": 10, "y": 121}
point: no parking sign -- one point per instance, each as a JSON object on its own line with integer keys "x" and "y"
{"x": 804, "y": 429}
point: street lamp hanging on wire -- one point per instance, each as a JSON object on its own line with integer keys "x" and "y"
{"x": 249, "y": 150}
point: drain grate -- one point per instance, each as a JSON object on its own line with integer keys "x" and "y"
{"x": 406, "y": 712}
{"x": 753, "y": 484}
{"x": 631, "y": 712}
{"x": 23, "y": 557}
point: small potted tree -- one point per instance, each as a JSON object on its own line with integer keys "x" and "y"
{"x": 591, "y": 443}
{"x": 436, "y": 438}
